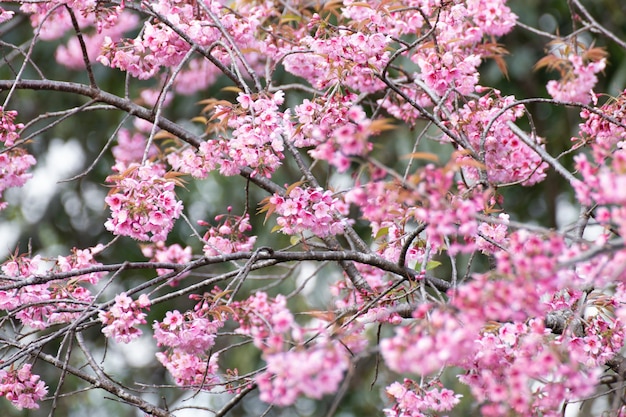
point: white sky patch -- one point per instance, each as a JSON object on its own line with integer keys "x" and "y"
{"x": 8, "y": 238}
{"x": 567, "y": 215}
{"x": 62, "y": 161}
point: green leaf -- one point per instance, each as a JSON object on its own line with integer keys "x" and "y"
{"x": 382, "y": 232}
{"x": 430, "y": 265}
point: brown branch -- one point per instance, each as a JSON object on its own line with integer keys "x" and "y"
{"x": 263, "y": 254}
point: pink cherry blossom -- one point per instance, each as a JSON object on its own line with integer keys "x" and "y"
{"x": 308, "y": 209}
{"x": 229, "y": 235}
{"x": 122, "y": 318}
{"x": 143, "y": 204}
{"x": 21, "y": 387}
{"x": 579, "y": 82}
{"x": 319, "y": 371}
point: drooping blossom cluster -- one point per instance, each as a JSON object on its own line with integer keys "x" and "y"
{"x": 308, "y": 210}
{"x": 130, "y": 149}
{"x": 522, "y": 368}
{"x": 175, "y": 253}
{"x": 493, "y": 236}
{"x": 256, "y": 140}
{"x": 344, "y": 57}
{"x": 23, "y": 388}
{"x": 319, "y": 371}
{"x": 190, "y": 371}
{"x": 322, "y": 361}
{"x": 516, "y": 288}
{"x": 336, "y": 127}
{"x": 57, "y": 301}
{"x": 267, "y": 321}
{"x": 143, "y": 203}
{"x": 14, "y": 161}
{"x": 507, "y": 159}
{"x": 577, "y": 82}
{"x": 411, "y": 400}
{"x": 229, "y": 236}
{"x": 436, "y": 339}
{"x": 122, "y": 319}
{"x": 444, "y": 213}
{"x": 189, "y": 338}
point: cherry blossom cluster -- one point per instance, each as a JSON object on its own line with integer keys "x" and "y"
{"x": 336, "y": 127}
{"x": 143, "y": 203}
{"x": 601, "y": 133}
{"x": 229, "y": 236}
{"x": 515, "y": 290}
{"x": 188, "y": 339}
{"x": 605, "y": 172}
{"x": 191, "y": 333}
{"x": 256, "y": 140}
{"x": 443, "y": 211}
{"x": 24, "y": 267}
{"x": 517, "y": 366}
{"x": 159, "y": 44}
{"x": 267, "y": 321}
{"x": 58, "y": 301}
{"x": 309, "y": 210}
{"x": 577, "y": 83}
{"x": 23, "y": 388}
{"x": 411, "y": 400}
{"x": 322, "y": 361}
{"x": 5, "y": 15}
{"x": 485, "y": 123}
{"x": 80, "y": 259}
{"x": 450, "y": 66}
{"x": 130, "y": 149}
{"x": 436, "y": 339}
{"x": 190, "y": 371}
{"x": 8, "y": 128}
{"x": 310, "y": 371}
{"x": 344, "y": 57}
{"x": 14, "y": 162}
{"x": 175, "y": 253}
{"x": 522, "y": 368}
{"x": 122, "y": 318}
